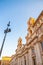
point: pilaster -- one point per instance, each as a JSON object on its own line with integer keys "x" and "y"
{"x": 23, "y": 63}
{"x": 18, "y": 61}
{"x": 27, "y": 60}
{"x": 38, "y": 54}
{"x": 30, "y": 57}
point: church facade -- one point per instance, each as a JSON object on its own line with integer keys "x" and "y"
{"x": 30, "y": 53}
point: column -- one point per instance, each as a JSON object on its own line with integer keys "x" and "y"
{"x": 26, "y": 55}
{"x": 30, "y": 57}
{"x": 38, "y": 54}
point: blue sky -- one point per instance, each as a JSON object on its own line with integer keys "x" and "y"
{"x": 18, "y": 12}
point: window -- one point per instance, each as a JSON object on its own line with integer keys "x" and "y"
{"x": 21, "y": 62}
{"x": 32, "y": 50}
{"x": 42, "y": 45}
{"x": 34, "y": 61}
{"x": 25, "y": 60}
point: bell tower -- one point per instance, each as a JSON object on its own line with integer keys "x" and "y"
{"x": 19, "y": 43}
{"x": 19, "y": 46}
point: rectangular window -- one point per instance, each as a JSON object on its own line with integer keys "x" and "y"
{"x": 34, "y": 61}
{"x": 33, "y": 51}
{"x": 25, "y": 60}
{"x": 42, "y": 45}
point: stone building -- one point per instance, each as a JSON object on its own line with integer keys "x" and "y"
{"x": 30, "y": 53}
